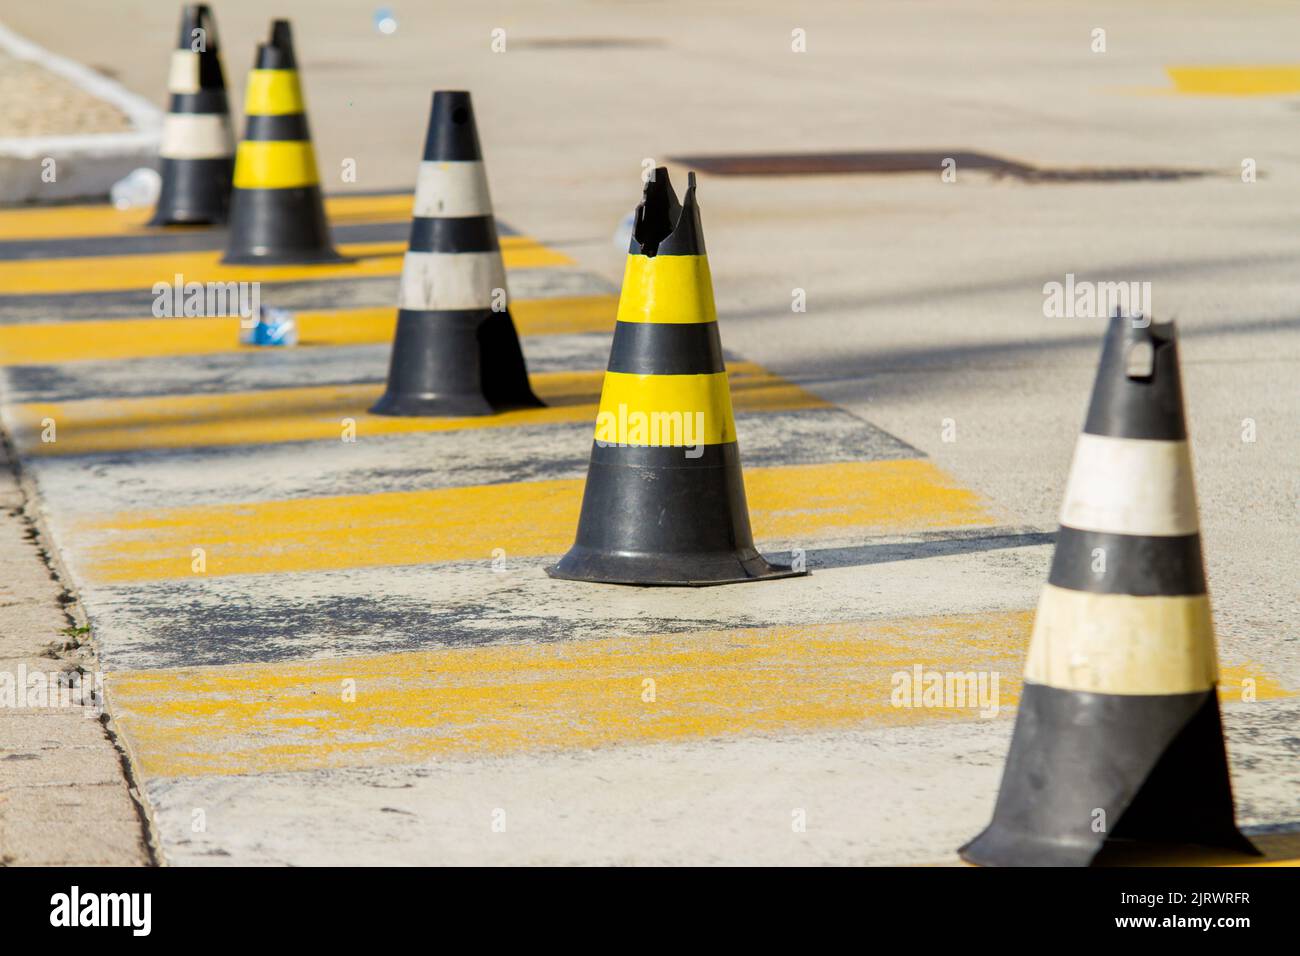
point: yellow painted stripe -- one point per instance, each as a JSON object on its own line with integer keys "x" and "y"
{"x": 316, "y": 413}
{"x": 57, "y": 343}
{"x": 664, "y": 410}
{"x": 141, "y": 272}
{"x": 797, "y": 502}
{"x": 674, "y": 289}
{"x": 273, "y": 93}
{"x": 80, "y": 222}
{"x": 1235, "y": 80}
{"x": 408, "y": 708}
{"x": 411, "y": 707}
{"x": 275, "y": 164}
{"x": 1121, "y": 644}
{"x": 360, "y": 210}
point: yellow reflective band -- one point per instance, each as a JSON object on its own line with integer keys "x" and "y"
{"x": 273, "y": 92}
{"x": 667, "y": 289}
{"x": 273, "y": 164}
{"x": 665, "y": 410}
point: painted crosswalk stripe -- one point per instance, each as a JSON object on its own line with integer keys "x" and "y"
{"x": 413, "y": 707}
{"x": 69, "y": 222}
{"x": 402, "y": 461}
{"x": 790, "y": 503}
{"x": 508, "y": 599}
{"x": 111, "y": 273}
{"x": 498, "y": 700}
{"x": 58, "y": 343}
{"x": 315, "y": 413}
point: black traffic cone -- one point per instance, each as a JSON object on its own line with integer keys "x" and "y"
{"x": 1118, "y": 742}
{"x": 276, "y": 211}
{"x": 455, "y": 351}
{"x": 197, "y": 151}
{"x": 665, "y": 501}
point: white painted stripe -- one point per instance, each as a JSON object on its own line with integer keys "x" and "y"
{"x": 442, "y": 280}
{"x": 1121, "y": 644}
{"x": 184, "y": 76}
{"x": 1130, "y": 486}
{"x": 452, "y": 190}
{"x": 196, "y": 136}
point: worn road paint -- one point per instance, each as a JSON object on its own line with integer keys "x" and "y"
{"x": 406, "y": 462}
{"x": 315, "y": 413}
{"x": 420, "y": 706}
{"x": 109, "y": 273}
{"x": 498, "y": 700}
{"x": 50, "y": 343}
{"x": 259, "y": 618}
{"x": 260, "y": 369}
{"x": 66, "y": 222}
{"x": 453, "y": 524}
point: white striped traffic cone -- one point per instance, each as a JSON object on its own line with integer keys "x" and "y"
{"x": 197, "y": 152}
{"x": 455, "y": 351}
{"x": 1118, "y": 738}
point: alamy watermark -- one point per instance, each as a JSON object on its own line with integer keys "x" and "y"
{"x": 946, "y": 689}
{"x": 57, "y": 690}
{"x": 208, "y": 299}
{"x": 623, "y": 428}
{"x": 1097, "y": 300}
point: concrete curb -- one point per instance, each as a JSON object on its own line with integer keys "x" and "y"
{"x": 86, "y": 165}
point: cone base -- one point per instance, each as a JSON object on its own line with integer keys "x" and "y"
{"x": 278, "y": 227}
{"x": 1155, "y": 764}
{"x": 195, "y": 192}
{"x": 994, "y": 848}
{"x": 455, "y": 363}
{"x": 441, "y": 406}
{"x": 665, "y": 516}
{"x": 187, "y": 217}
{"x": 282, "y": 258}
{"x": 668, "y": 570}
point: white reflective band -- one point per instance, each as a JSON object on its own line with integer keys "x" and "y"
{"x": 1121, "y": 644}
{"x": 196, "y": 136}
{"x": 452, "y": 190}
{"x": 184, "y": 77}
{"x": 442, "y": 280}
{"x": 1130, "y": 486}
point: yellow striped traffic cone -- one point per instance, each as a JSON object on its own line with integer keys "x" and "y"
{"x": 276, "y": 211}
{"x": 665, "y": 501}
{"x": 456, "y": 351}
{"x": 197, "y": 149}
{"x": 1118, "y": 739}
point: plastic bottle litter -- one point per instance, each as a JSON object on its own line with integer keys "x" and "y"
{"x": 274, "y": 327}
{"x": 140, "y": 187}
